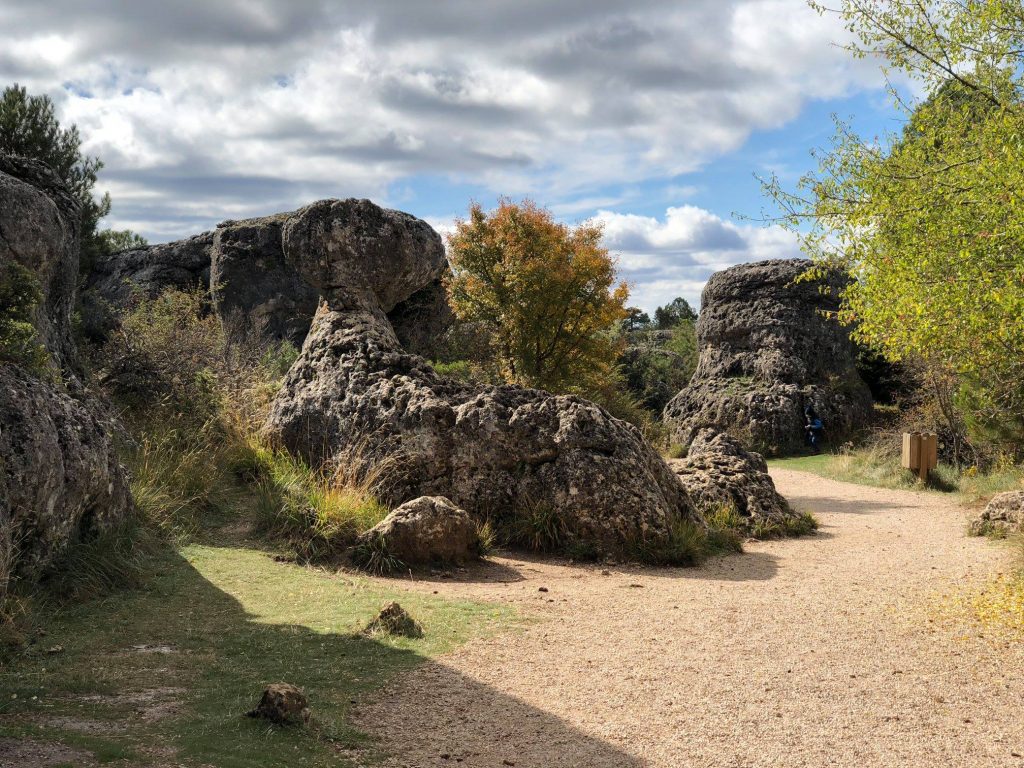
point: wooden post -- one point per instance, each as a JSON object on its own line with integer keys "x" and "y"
{"x": 929, "y": 454}
{"x": 911, "y": 450}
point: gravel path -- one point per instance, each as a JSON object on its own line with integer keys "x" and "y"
{"x": 824, "y": 651}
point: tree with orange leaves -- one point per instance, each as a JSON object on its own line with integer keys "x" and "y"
{"x": 547, "y": 295}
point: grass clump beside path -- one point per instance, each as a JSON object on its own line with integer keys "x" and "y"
{"x": 873, "y": 466}
{"x": 178, "y": 662}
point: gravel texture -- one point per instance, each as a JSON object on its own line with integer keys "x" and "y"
{"x": 823, "y": 651}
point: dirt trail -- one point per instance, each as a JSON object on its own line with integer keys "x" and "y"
{"x": 812, "y": 652}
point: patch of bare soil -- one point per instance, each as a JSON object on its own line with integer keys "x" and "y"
{"x": 813, "y": 652}
{"x": 26, "y": 753}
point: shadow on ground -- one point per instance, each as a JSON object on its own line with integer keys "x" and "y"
{"x": 217, "y": 651}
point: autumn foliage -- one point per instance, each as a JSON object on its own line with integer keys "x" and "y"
{"x": 546, "y": 295}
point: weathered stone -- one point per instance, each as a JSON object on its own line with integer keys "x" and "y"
{"x": 717, "y": 472}
{"x": 394, "y": 620}
{"x": 422, "y": 320}
{"x": 427, "y": 529}
{"x": 117, "y": 280}
{"x": 768, "y": 349}
{"x": 60, "y": 480}
{"x": 355, "y": 396}
{"x": 1003, "y": 515}
{"x": 283, "y": 704}
{"x": 257, "y": 295}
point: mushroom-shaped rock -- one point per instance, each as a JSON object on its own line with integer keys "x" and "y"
{"x": 426, "y": 530}
{"x": 282, "y": 703}
{"x": 1003, "y": 515}
{"x": 358, "y": 254}
{"x": 718, "y": 472}
{"x": 769, "y": 347}
{"x": 355, "y": 395}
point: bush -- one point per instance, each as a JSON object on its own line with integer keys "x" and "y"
{"x": 319, "y": 516}
{"x": 20, "y": 295}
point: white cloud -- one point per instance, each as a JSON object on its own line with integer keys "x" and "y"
{"x": 674, "y": 256}
{"x": 527, "y": 97}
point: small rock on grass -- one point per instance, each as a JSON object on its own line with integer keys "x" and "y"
{"x": 282, "y": 703}
{"x": 394, "y": 620}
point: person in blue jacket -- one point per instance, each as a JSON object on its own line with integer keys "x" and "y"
{"x": 814, "y": 428}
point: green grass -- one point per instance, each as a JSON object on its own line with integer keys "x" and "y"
{"x": 236, "y": 620}
{"x": 872, "y": 466}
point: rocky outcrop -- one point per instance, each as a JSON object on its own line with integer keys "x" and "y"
{"x": 60, "y": 480}
{"x": 718, "y": 473}
{"x": 115, "y": 281}
{"x": 1002, "y": 516}
{"x": 356, "y": 396}
{"x": 259, "y": 296}
{"x": 767, "y": 351}
{"x": 428, "y": 529}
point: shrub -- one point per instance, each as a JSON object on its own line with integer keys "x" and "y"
{"x": 319, "y": 516}
{"x": 20, "y": 295}
{"x": 168, "y": 355}
{"x": 538, "y": 527}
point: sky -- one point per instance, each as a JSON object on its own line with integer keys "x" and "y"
{"x": 651, "y": 117}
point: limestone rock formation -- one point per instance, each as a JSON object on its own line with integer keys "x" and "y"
{"x": 718, "y": 472}
{"x": 1002, "y": 516}
{"x": 115, "y": 281}
{"x": 258, "y": 295}
{"x": 766, "y": 352}
{"x": 428, "y": 529}
{"x": 355, "y": 395}
{"x": 60, "y": 479}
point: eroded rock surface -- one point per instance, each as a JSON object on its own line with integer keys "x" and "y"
{"x": 1002, "y": 516}
{"x": 259, "y": 296}
{"x": 767, "y": 352}
{"x": 117, "y": 280}
{"x": 428, "y": 529}
{"x": 356, "y": 396}
{"x": 60, "y": 479}
{"x": 718, "y": 472}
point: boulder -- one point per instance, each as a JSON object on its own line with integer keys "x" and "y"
{"x": 394, "y": 620}
{"x": 717, "y": 472}
{"x": 1002, "y": 516}
{"x": 429, "y": 529}
{"x": 769, "y": 347}
{"x": 283, "y": 704}
{"x": 356, "y": 396}
{"x": 60, "y": 480}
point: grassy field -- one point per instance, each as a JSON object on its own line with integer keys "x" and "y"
{"x": 162, "y": 675}
{"x": 870, "y": 467}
